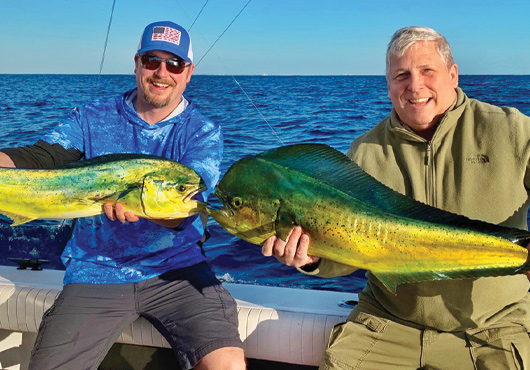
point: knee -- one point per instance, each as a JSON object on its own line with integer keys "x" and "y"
{"x": 230, "y": 358}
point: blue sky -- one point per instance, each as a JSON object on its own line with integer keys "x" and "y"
{"x": 283, "y": 37}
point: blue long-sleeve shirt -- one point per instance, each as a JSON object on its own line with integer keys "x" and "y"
{"x": 109, "y": 252}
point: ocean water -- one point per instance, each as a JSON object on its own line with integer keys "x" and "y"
{"x": 257, "y": 113}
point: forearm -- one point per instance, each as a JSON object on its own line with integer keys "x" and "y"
{"x": 41, "y": 155}
{"x": 5, "y": 161}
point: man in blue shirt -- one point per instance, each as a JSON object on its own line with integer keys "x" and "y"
{"x": 118, "y": 271}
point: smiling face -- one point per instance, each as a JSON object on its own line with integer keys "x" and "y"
{"x": 421, "y": 87}
{"x": 160, "y": 89}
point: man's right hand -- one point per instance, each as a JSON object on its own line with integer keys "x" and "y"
{"x": 117, "y": 212}
{"x": 293, "y": 251}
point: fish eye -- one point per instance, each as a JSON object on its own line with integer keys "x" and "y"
{"x": 182, "y": 188}
{"x": 237, "y": 202}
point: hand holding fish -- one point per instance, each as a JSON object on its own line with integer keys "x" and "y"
{"x": 117, "y": 212}
{"x": 293, "y": 251}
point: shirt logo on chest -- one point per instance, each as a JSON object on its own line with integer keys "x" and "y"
{"x": 478, "y": 159}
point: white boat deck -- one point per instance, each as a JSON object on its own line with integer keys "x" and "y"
{"x": 275, "y": 324}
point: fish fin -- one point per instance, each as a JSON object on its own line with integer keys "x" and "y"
{"x": 17, "y": 219}
{"x": 111, "y": 197}
{"x": 284, "y": 223}
{"x": 109, "y": 158}
{"x": 389, "y": 280}
{"x": 257, "y": 235}
{"x": 126, "y": 195}
{"x": 331, "y": 167}
{"x": 392, "y": 279}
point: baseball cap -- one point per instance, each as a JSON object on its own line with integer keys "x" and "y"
{"x": 166, "y": 36}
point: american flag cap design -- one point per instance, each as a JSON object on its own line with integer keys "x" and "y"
{"x": 166, "y": 36}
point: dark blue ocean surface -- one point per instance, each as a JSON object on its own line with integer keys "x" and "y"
{"x": 257, "y": 113}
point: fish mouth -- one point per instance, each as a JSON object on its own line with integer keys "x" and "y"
{"x": 188, "y": 198}
{"x": 225, "y": 211}
{"x": 199, "y": 206}
{"x": 217, "y": 212}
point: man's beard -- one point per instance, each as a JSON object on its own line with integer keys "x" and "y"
{"x": 153, "y": 99}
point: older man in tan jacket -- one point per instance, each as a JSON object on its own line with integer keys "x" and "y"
{"x": 458, "y": 154}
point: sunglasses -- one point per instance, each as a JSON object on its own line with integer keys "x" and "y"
{"x": 173, "y": 65}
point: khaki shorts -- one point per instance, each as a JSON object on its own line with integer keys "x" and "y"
{"x": 372, "y": 343}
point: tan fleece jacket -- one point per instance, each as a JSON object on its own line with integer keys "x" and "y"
{"x": 477, "y": 165}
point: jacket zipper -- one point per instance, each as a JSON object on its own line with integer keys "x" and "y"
{"x": 429, "y": 175}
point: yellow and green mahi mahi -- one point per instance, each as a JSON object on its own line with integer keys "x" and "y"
{"x": 148, "y": 186}
{"x": 355, "y": 220}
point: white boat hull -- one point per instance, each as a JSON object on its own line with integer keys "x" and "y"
{"x": 276, "y": 324}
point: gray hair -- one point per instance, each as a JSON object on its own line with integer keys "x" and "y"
{"x": 406, "y": 37}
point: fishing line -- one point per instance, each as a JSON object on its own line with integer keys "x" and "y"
{"x": 198, "y": 15}
{"x": 215, "y": 42}
{"x": 262, "y": 116}
{"x": 233, "y": 77}
{"x": 105, "y": 47}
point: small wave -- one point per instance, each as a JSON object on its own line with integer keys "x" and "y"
{"x": 358, "y": 117}
{"x": 226, "y": 278}
{"x": 38, "y": 103}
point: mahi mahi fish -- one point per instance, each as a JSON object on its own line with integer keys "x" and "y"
{"x": 148, "y": 186}
{"x": 355, "y": 220}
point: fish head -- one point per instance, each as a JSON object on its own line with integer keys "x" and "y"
{"x": 250, "y": 208}
{"x": 170, "y": 197}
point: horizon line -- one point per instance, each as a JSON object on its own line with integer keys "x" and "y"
{"x": 250, "y": 75}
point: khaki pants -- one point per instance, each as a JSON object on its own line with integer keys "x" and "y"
{"x": 372, "y": 343}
